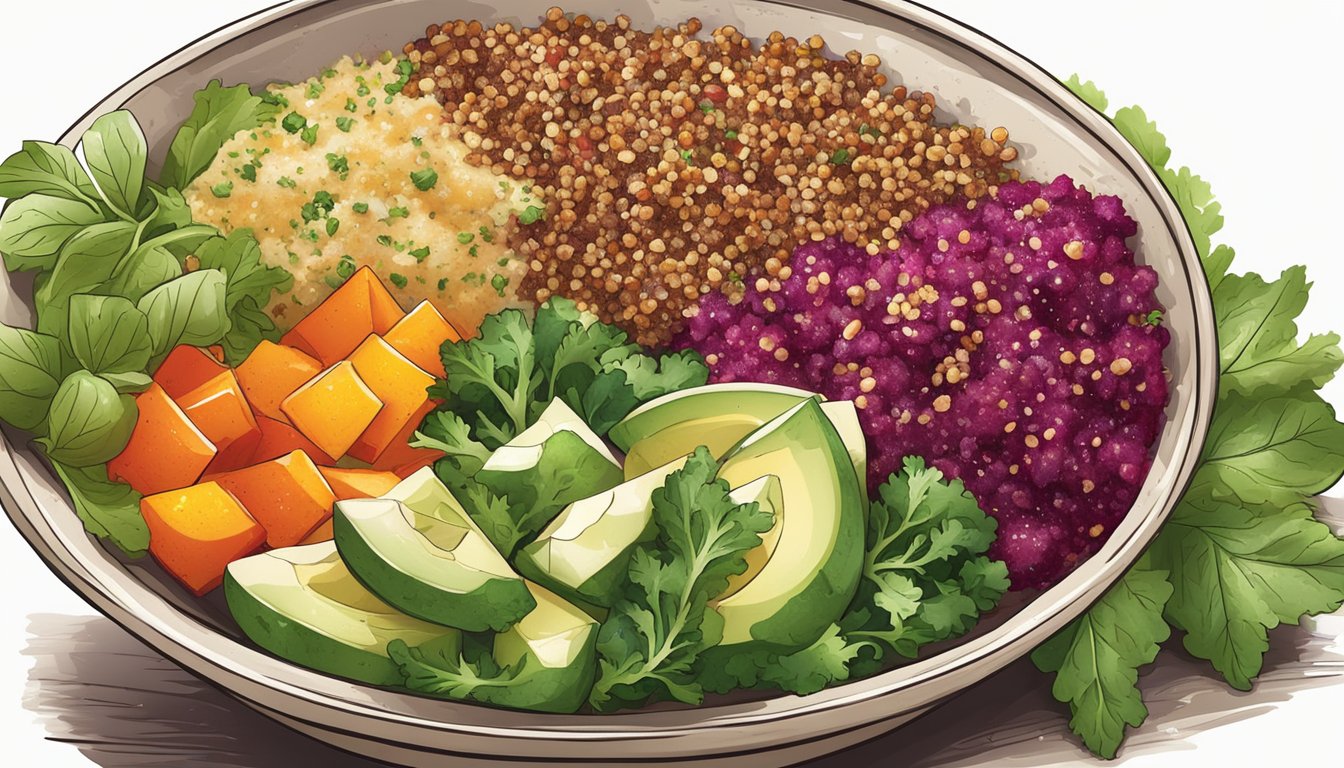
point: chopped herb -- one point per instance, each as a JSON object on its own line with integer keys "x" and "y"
{"x": 360, "y": 207}
{"x": 531, "y": 215}
{"x": 421, "y": 254}
{"x": 287, "y": 182}
{"x": 686, "y": 156}
{"x": 333, "y": 224}
{"x": 372, "y": 103}
{"x": 398, "y": 279}
{"x": 385, "y": 240}
{"x": 706, "y": 107}
{"x": 474, "y": 250}
{"x": 294, "y": 122}
{"x": 275, "y": 99}
{"x": 338, "y": 164}
{"x": 399, "y": 212}
{"x": 1153, "y": 318}
{"x": 248, "y": 172}
{"x": 345, "y": 124}
{"x": 443, "y": 284}
{"x": 346, "y": 266}
{"x": 332, "y": 281}
{"x": 233, "y": 154}
{"x": 486, "y": 234}
{"x": 499, "y": 283}
{"x": 293, "y": 258}
{"x": 840, "y": 156}
{"x": 327, "y": 73}
{"x": 504, "y": 262}
{"x": 404, "y": 70}
{"x": 315, "y": 89}
{"x": 730, "y": 135}
{"x": 351, "y": 105}
{"x": 309, "y": 135}
{"x": 222, "y": 190}
{"x": 417, "y": 141}
{"x": 293, "y": 223}
{"x": 465, "y": 237}
{"x": 425, "y": 179}
{"x": 324, "y": 200}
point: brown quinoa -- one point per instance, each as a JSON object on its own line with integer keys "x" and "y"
{"x": 674, "y": 166}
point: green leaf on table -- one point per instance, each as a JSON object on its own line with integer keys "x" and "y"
{"x": 33, "y": 229}
{"x": 1216, "y": 266}
{"x": 41, "y": 168}
{"x": 108, "y": 510}
{"x": 89, "y": 423}
{"x": 108, "y": 334}
{"x": 1202, "y": 213}
{"x": 218, "y": 114}
{"x": 116, "y": 152}
{"x": 1257, "y": 338}
{"x": 1135, "y": 126}
{"x": 187, "y": 310}
{"x": 1088, "y": 92}
{"x": 1096, "y": 659}
{"x": 1238, "y": 573}
{"x": 1272, "y": 451}
{"x": 30, "y": 373}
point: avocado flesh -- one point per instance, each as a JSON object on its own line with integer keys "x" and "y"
{"x": 584, "y": 552}
{"x": 769, "y": 494}
{"x": 303, "y": 605}
{"x": 524, "y": 450}
{"x": 812, "y": 574}
{"x": 418, "y": 549}
{"x": 845, "y": 418}
{"x": 556, "y": 645}
{"x": 748, "y": 403}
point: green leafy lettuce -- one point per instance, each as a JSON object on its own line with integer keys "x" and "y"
{"x": 1242, "y": 552}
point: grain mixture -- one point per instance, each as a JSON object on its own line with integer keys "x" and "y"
{"x": 674, "y": 167}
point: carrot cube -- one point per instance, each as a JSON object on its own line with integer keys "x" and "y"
{"x": 272, "y": 373}
{"x": 333, "y": 409}
{"x": 399, "y": 457}
{"x": 358, "y": 483}
{"x": 186, "y": 368}
{"x": 216, "y": 351}
{"x": 323, "y": 532}
{"x": 166, "y": 450}
{"x": 396, "y": 381}
{"x": 288, "y": 496}
{"x": 333, "y": 329}
{"x": 280, "y": 439}
{"x": 196, "y": 532}
{"x": 419, "y": 335}
{"x": 221, "y": 411}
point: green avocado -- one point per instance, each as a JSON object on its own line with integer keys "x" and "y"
{"x": 304, "y": 605}
{"x": 814, "y": 552}
{"x": 714, "y": 415}
{"x": 555, "y": 644}
{"x": 585, "y": 551}
{"x": 557, "y": 460}
{"x": 417, "y": 549}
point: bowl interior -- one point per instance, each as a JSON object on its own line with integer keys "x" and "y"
{"x": 975, "y": 83}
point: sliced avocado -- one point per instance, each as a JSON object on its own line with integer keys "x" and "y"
{"x": 557, "y": 460}
{"x": 845, "y": 418}
{"x": 417, "y": 549}
{"x": 769, "y": 494}
{"x": 810, "y": 577}
{"x": 555, "y": 644}
{"x": 585, "y": 551}
{"x": 304, "y": 605}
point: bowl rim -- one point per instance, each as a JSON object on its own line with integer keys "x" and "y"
{"x": 247, "y": 673}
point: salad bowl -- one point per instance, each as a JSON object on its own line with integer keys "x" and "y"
{"x": 976, "y": 80}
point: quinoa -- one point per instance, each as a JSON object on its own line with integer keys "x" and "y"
{"x": 1012, "y": 341}
{"x": 674, "y": 167}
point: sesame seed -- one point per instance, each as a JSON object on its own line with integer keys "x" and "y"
{"x": 1032, "y": 441}
{"x": 942, "y": 403}
{"x": 1120, "y": 366}
{"x": 852, "y": 329}
{"x": 867, "y": 384}
{"x": 1087, "y": 355}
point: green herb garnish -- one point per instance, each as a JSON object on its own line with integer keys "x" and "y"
{"x": 294, "y": 122}
{"x": 425, "y": 179}
{"x": 222, "y": 189}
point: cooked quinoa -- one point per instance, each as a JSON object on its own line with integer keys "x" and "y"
{"x": 674, "y": 166}
{"x": 353, "y": 173}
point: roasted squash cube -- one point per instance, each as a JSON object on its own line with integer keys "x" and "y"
{"x": 166, "y": 451}
{"x": 185, "y": 369}
{"x": 324, "y": 532}
{"x": 221, "y": 411}
{"x": 272, "y": 373}
{"x": 196, "y": 532}
{"x": 399, "y": 457}
{"x": 288, "y": 496}
{"x": 358, "y": 483}
{"x": 333, "y": 329}
{"x": 333, "y": 409}
{"x": 402, "y": 387}
{"x": 280, "y": 439}
{"x": 420, "y": 334}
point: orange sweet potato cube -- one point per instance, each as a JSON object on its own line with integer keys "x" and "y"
{"x": 400, "y": 458}
{"x": 358, "y": 483}
{"x": 272, "y": 373}
{"x": 333, "y": 409}
{"x": 186, "y": 368}
{"x": 335, "y": 327}
{"x": 166, "y": 451}
{"x": 419, "y": 335}
{"x": 216, "y": 351}
{"x": 323, "y": 532}
{"x": 279, "y": 439}
{"x": 221, "y": 411}
{"x": 196, "y": 532}
{"x": 288, "y": 496}
{"x": 396, "y": 381}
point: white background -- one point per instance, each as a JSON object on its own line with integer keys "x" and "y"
{"x": 1247, "y": 95}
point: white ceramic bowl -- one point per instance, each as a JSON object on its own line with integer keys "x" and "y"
{"x": 976, "y": 80}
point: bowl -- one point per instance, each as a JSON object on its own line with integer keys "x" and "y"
{"x": 975, "y": 78}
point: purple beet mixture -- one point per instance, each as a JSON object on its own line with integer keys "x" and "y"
{"x": 1009, "y": 341}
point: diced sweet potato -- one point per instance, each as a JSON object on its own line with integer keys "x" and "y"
{"x": 272, "y": 373}
{"x": 221, "y": 411}
{"x": 396, "y": 381}
{"x": 419, "y": 335}
{"x": 288, "y": 496}
{"x": 358, "y": 483}
{"x": 186, "y": 368}
{"x": 321, "y": 533}
{"x": 280, "y": 439}
{"x": 333, "y": 329}
{"x": 166, "y": 451}
{"x": 196, "y": 532}
{"x": 399, "y": 457}
{"x": 216, "y": 351}
{"x": 333, "y": 409}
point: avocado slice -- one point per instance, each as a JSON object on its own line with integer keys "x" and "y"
{"x": 714, "y": 415}
{"x": 584, "y": 552}
{"x": 557, "y": 460}
{"x": 768, "y": 492}
{"x": 811, "y": 575}
{"x": 845, "y": 418}
{"x": 556, "y": 645}
{"x": 304, "y": 605}
{"x": 416, "y": 548}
